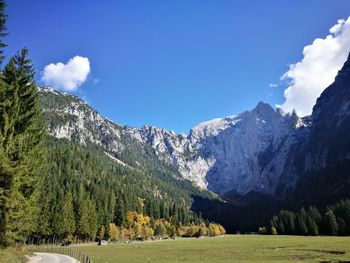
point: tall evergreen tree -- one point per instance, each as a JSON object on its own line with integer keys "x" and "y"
{"x": 8, "y": 113}
{"x": 120, "y": 213}
{"x": 331, "y": 223}
{"x": 23, "y": 143}
{"x": 68, "y": 222}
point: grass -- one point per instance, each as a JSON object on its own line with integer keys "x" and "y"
{"x": 231, "y": 248}
{"x": 13, "y": 255}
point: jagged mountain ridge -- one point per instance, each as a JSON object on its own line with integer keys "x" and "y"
{"x": 243, "y": 153}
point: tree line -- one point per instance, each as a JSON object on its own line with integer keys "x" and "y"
{"x": 334, "y": 220}
{"x": 141, "y": 227}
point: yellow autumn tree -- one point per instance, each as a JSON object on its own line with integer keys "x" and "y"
{"x": 131, "y": 217}
{"x": 113, "y": 232}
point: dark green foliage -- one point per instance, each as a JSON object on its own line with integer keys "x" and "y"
{"x": 85, "y": 184}
{"x": 335, "y": 220}
{"x": 313, "y": 227}
{"x": 330, "y": 223}
{"x": 22, "y": 132}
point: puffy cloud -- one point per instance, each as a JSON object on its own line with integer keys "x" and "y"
{"x": 317, "y": 70}
{"x": 67, "y": 77}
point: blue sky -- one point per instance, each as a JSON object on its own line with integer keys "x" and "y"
{"x": 173, "y": 64}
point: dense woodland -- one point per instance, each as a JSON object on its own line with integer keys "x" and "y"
{"x": 334, "y": 220}
{"x": 85, "y": 193}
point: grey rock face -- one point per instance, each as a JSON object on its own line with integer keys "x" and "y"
{"x": 242, "y": 153}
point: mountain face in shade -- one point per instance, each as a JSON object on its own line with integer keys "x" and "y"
{"x": 329, "y": 141}
{"x": 323, "y": 159}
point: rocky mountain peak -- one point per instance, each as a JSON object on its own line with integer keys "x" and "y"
{"x": 263, "y": 109}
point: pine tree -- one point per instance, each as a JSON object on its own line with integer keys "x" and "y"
{"x": 315, "y": 214}
{"x": 302, "y": 228}
{"x": 280, "y": 227}
{"x": 8, "y": 113}
{"x": 29, "y": 143}
{"x": 312, "y": 226}
{"x": 92, "y": 219}
{"x": 22, "y": 149}
{"x": 68, "y": 220}
{"x": 43, "y": 220}
{"x": 120, "y": 213}
{"x": 331, "y": 223}
{"x": 82, "y": 217}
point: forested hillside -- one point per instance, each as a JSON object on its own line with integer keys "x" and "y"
{"x": 85, "y": 189}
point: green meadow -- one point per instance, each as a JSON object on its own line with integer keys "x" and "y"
{"x": 231, "y": 248}
{"x": 13, "y": 255}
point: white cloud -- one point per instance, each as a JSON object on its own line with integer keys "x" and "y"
{"x": 317, "y": 70}
{"x": 273, "y": 85}
{"x": 67, "y": 77}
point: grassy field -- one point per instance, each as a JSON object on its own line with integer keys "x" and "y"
{"x": 231, "y": 248}
{"x": 13, "y": 255}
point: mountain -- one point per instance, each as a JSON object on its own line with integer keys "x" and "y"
{"x": 323, "y": 161}
{"x": 244, "y": 153}
{"x": 68, "y": 117}
{"x": 329, "y": 141}
{"x": 266, "y": 151}
{"x": 259, "y": 160}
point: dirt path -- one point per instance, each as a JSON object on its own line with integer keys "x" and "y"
{"x": 51, "y": 258}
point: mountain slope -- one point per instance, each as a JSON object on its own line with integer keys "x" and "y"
{"x": 69, "y": 117}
